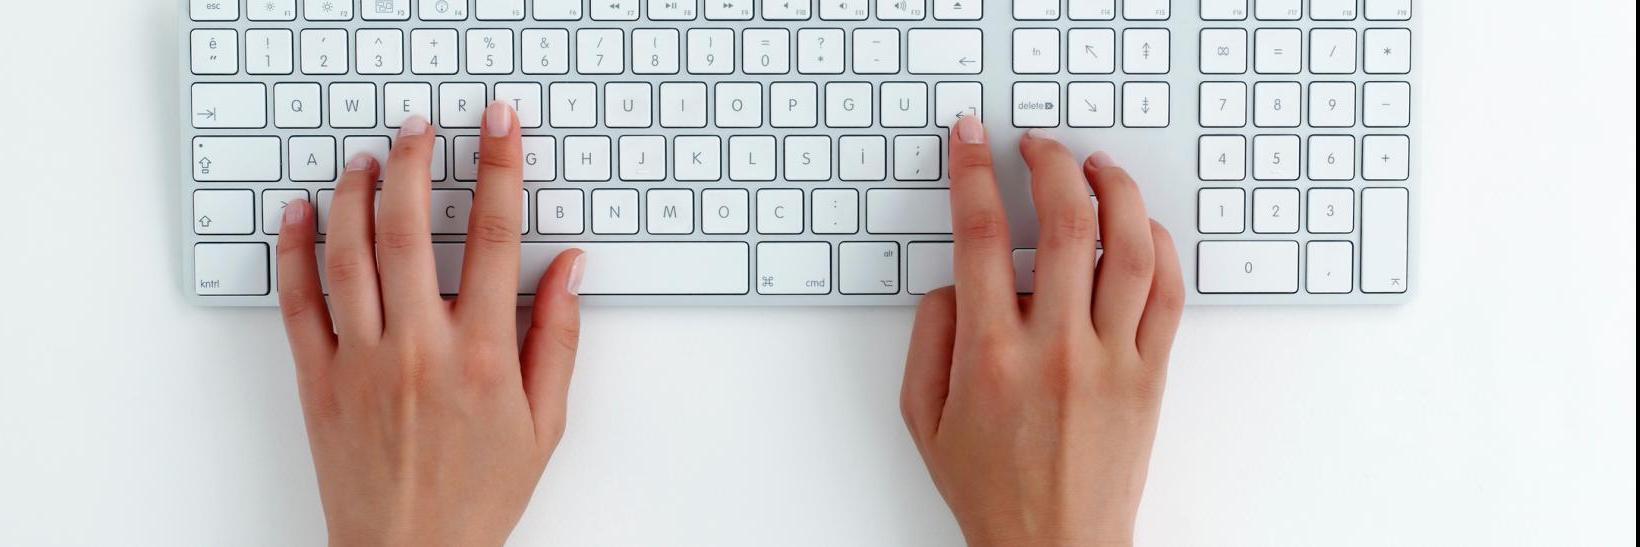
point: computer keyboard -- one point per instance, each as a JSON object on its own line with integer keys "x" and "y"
{"x": 791, "y": 152}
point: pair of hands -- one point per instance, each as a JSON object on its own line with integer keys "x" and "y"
{"x": 428, "y": 425}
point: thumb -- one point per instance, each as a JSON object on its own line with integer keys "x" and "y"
{"x": 549, "y": 348}
{"x": 928, "y": 365}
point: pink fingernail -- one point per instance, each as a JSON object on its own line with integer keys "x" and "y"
{"x": 361, "y": 162}
{"x": 414, "y": 126}
{"x": 1038, "y": 134}
{"x": 1101, "y": 160}
{"x": 576, "y": 271}
{"x": 295, "y": 212}
{"x": 970, "y": 131}
{"x": 498, "y": 119}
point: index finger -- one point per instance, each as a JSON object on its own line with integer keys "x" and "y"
{"x": 982, "y": 257}
{"x": 489, "y": 272}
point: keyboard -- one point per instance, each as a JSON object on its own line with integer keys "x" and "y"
{"x": 792, "y": 152}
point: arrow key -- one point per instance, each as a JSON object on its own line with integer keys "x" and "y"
{"x": 224, "y": 212}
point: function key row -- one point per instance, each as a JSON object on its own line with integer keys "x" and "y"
{"x": 573, "y": 10}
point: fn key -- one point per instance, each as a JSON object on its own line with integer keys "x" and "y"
{"x": 231, "y": 269}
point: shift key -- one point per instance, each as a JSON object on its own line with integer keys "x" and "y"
{"x": 236, "y": 159}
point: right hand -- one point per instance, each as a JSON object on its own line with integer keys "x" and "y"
{"x": 1035, "y": 415}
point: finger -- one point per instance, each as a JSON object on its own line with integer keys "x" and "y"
{"x": 301, "y": 299}
{"x": 1165, "y": 305}
{"x": 982, "y": 257}
{"x": 549, "y": 348}
{"x": 1123, "y": 281}
{"x": 350, "y": 257}
{"x": 489, "y": 273}
{"x": 928, "y": 365}
{"x": 404, "y": 244}
{"x": 1069, "y": 229}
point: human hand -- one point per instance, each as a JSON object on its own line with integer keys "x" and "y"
{"x": 427, "y": 425}
{"x": 1035, "y": 414}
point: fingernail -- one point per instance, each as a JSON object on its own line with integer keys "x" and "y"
{"x": 970, "y": 130}
{"x": 361, "y": 162}
{"x": 1101, "y": 160}
{"x": 295, "y": 212}
{"x": 414, "y": 126}
{"x": 498, "y": 119}
{"x": 1038, "y": 134}
{"x": 576, "y": 271}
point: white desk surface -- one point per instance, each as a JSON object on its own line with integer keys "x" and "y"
{"x": 1497, "y": 409}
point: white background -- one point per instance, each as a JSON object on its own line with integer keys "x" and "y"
{"x": 1496, "y": 409}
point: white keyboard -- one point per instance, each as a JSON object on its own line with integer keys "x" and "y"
{"x": 791, "y": 152}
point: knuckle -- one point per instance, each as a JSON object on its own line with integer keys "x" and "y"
{"x": 1077, "y": 225}
{"x": 982, "y": 225}
{"x": 294, "y": 303}
{"x": 344, "y": 269}
{"x": 971, "y": 161}
{"x": 484, "y": 365}
{"x": 1128, "y": 265}
{"x": 493, "y": 229}
{"x": 395, "y": 240}
{"x": 567, "y": 337}
{"x": 497, "y": 159}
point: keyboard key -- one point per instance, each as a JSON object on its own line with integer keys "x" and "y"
{"x": 1332, "y": 211}
{"x": 794, "y": 104}
{"x": 1224, "y": 51}
{"x": 559, "y": 212}
{"x": 655, "y": 51}
{"x": 917, "y": 158}
{"x": 1146, "y": 51}
{"x": 236, "y": 159}
{"x": 711, "y": 51}
{"x": 312, "y": 159}
{"x": 1384, "y": 240}
{"x": 1036, "y": 10}
{"x": 1247, "y": 267}
{"x": 1389, "y": 10}
{"x": 1221, "y": 211}
{"x": 326, "y": 10}
{"x": 671, "y": 212}
{"x": 739, "y": 104}
{"x": 630, "y": 267}
{"x": 1036, "y": 104}
{"x": 377, "y": 147}
{"x": 353, "y": 105}
{"x": 213, "y": 10}
{"x": 953, "y": 100}
{"x": 1330, "y": 267}
{"x": 403, "y": 100}
{"x": 614, "y": 212}
{"x": 1146, "y": 104}
{"x": 1386, "y": 104}
{"x": 672, "y": 10}
{"x": 1276, "y": 104}
{"x": 383, "y": 10}
{"x": 766, "y": 51}
{"x": 901, "y": 10}
{"x": 224, "y": 212}
{"x": 1090, "y": 104}
{"x": 928, "y": 267}
{"x": 1036, "y": 51}
{"x": 836, "y": 211}
{"x": 752, "y": 158}
{"x": 848, "y": 104}
{"x": 443, "y": 10}
{"x": 1332, "y": 157}
{"x": 845, "y": 10}
{"x": 1384, "y": 157}
{"x": 1223, "y": 157}
{"x": 780, "y": 211}
{"x": 1278, "y": 10}
{"x": 324, "y": 51}
{"x": 958, "y": 10}
{"x": 642, "y": 157}
{"x": 1223, "y": 104}
{"x": 808, "y": 158}
{"x": 1389, "y": 51}
{"x": 1224, "y": 10}
{"x": 269, "y": 52}
{"x": 1278, "y": 51}
{"x": 1275, "y": 157}
{"x": 876, "y": 51}
{"x": 904, "y": 104}
{"x": 627, "y": 104}
{"x": 908, "y": 211}
{"x": 1332, "y": 51}
{"x": 296, "y": 105}
{"x": 820, "y": 51}
{"x": 587, "y": 159}
{"x": 215, "y": 52}
{"x": 944, "y": 51}
{"x": 697, "y": 158}
{"x": 862, "y": 158}
{"x": 786, "y": 10}
{"x": 546, "y": 51}
{"x": 499, "y": 10}
{"x": 724, "y": 212}
{"x": 793, "y": 268}
{"x": 490, "y": 51}
{"x": 1147, "y": 10}
{"x": 600, "y": 51}
{"x": 433, "y": 51}
{"x": 1332, "y": 104}
{"x": 231, "y": 269}
{"x": 571, "y": 105}
{"x": 273, "y": 208}
{"x": 1275, "y": 210}
{"x": 229, "y": 106}
{"x": 729, "y": 10}
{"x": 868, "y": 267}
{"x": 1332, "y": 10}
{"x": 540, "y": 159}
{"x": 683, "y": 104}
{"x": 525, "y": 99}
{"x": 1091, "y": 51}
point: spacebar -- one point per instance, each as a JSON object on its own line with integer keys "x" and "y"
{"x": 644, "y": 268}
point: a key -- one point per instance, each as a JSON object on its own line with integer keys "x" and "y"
{"x": 215, "y": 52}
{"x": 1247, "y": 267}
{"x": 1389, "y": 10}
{"x": 213, "y": 10}
{"x": 269, "y": 52}
{"x": 953, "y": 100}
{"x": 614, "y": 212}
{"x": 224, "y": 212}
{"x": 794, "y": 104}
{"x": 375, "y": 146}
{"x": 1332, "y": 210}
{"x": 729, "y": 10}
{"x": 876, "y": 51}
{"x": 697, "y": 158}
{"x": 1036, "y": 51}
{"x": 766, "y": 51}
{"x": 231, "y": 269}
{"x": 683, "y": 104}
{"x": 1221, "y": 211}
{"x": 1036, "y": 10}
{"x": 794, "y": 268}
{"x": 671, "y": 212}
{"x": 499, "y": 10}
{"x": 1277, "y": 51}
{"x": 786, "y": 10}
{"x": 380, "y": 52}
{"x": 739, "y": 104}
{"x": 1147, "y": 10}
{"x": 917, "y": 158}
{"x": 868, "y": 267}
{"x": 780, "y": 211}
{"x": 1384, "y": 157}
{"x": 820, "y": 51}
{"x": 236, "y": 159}
{"x": 403, "y": 100}
{"x": 1388, "y": 51}
{"x": 1332, "y": 157}
{"x": 836, "y": 211}
{"x": 442, "y": 10}
{"x": 1036, "y": 104}
{"x": 844, "y": 10}
{"x": 1224, "y": 51}
{"x": 587, "y": 159}
{"x": 901, "y": 10}
{"x": 1275, "y": 157}
{"x": 752, "y": 158}
{"x": 628, "y": 268}
{"x": 672, "y": 10}
{"x": 490, "y": 51}
{"x": 808, "y": 158}
{"x": 273, "y": 208}
{"x": 448, "y": 211}
{"x": 1332, "y": 104}
{"x": 627, "y": 104}
{"x": 572, "y": 105}
{"x": 324, "y": 51}
{"x": 383, "y": 10}
{"x": 1386, "y": 104}
{"x": 848, "y": 104}
{"x": 1146, "y": 51}
{"x": 1332, "y": 10}
{"x": 557, "y": 10}
{"x": 269, "y": 10}
{"x": 326, "y": 10}
{"x": 1146, "y": 104}
{"x": 599, "y": 51}
{"x": 1276, "y": 104}
{"x": 958, "y": 10}
{"x": 352, "y": 105}
{"x": 655, "y": 51}
{"x": 525, "y": 98}
{"x": 546, "y": 51}
{"x": 1090, "y": 104}
{"x": 433, "y": 51}
{"x": 312, "y": 159}
{"x": 642, "y": 157}
{"x": 1384, "y": 240}
{"x": 862, "y": 158}
{"x": 1222, "y": 157}
{"x": 1224, "y": 10}
{"x": 1091, "y": 51}
{"x": 1275, "y": 210}
{"x": 540, "y": 159}
{"x": 1332, "y": 51}
{"x": 724, "y": 211}
{"x": 1278, "y": 10}
{"x": 1223, "y": 104}
{"x": 461, "y": 105}
{"x": 559, "y": 212}
{"x": 928, "y": 267}
{"x": 944, "y": 51}
{"x": 1329, "y": 267}
{"x": 229, "y": 106}
{"x": 908, "y": 211}
{"x": 1092, "y": 10}
{"x": 711, "y": 51}
{"x": 904, "y": 104}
